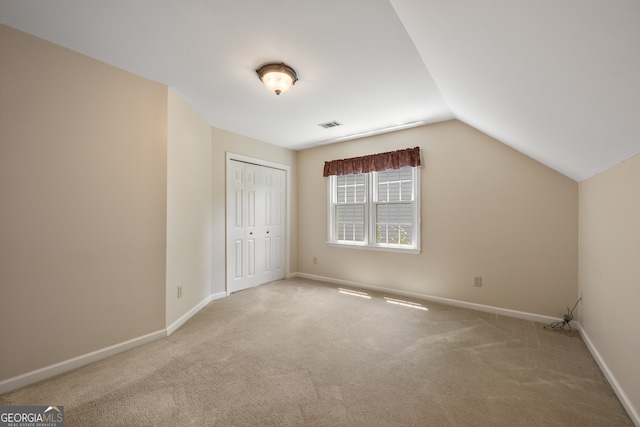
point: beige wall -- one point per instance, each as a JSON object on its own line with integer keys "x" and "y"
{"x": 610, "y": 272}
{"x": 82, "y": 204}
{"x": 223, "y": 142}
{"x": 487, "y": 211}
{"x": 189, "y": 185}
{"x": 196, "y": 204}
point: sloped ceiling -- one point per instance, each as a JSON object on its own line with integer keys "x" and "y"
{"x": 556, "y": 80}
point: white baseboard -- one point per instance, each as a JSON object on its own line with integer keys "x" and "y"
{"x": 188, "y": 315}
{"x": 76, "y": 362}
{"x": 457, "y": 303}
{"x": 219, "y": 295}
{"x": 624, "y": 400}
{"x": 85, "y": 359}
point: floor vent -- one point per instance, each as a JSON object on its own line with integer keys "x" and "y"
{"x": 330, "y": 124}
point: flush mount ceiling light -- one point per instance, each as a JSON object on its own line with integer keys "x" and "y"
{"x": 278, "y": 77}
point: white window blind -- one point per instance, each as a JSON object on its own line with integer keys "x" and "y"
{"x": 377, "y": 210}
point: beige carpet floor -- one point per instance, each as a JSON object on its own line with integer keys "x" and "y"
{"x": 301, "y": 353}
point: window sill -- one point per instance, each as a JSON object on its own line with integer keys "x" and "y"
{"x": 412, "y": 251}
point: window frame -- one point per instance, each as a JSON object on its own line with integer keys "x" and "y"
{"x": 369, "y": 242}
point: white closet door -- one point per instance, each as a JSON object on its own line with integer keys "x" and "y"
{"x": 274, "y": 196}
{"x": 255, "y": 225}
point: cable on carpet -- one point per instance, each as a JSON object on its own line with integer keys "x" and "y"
{"x": 566, "y": 320}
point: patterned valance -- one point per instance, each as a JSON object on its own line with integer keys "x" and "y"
{"x": 374, "y": 162}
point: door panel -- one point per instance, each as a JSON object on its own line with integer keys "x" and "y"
{"x": 241, "y": 230}
{"x": 267, "y": 258}
{"x": 236, "y": 242}
{"x": 277, "y": 228}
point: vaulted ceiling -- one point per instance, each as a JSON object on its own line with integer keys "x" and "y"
{"x": 557, "y": 80}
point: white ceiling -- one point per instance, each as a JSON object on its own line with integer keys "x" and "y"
{"x": 556, "y": 80}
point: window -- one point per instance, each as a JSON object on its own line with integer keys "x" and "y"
{"x": 378, "y": 210}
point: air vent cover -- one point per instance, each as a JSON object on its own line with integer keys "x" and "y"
{"x": 330, "y": 124}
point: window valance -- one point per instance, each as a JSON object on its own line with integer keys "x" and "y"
{"x": 374, "y": 162}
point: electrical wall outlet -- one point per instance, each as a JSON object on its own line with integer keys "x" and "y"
{"x": 315, "y": 260}
{"x": 179, "y": 291}
{"x": 477, "y": 281}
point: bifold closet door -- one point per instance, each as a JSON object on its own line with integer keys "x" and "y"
{"x": 273, "y": 191}
{"x": 255, "y": 225}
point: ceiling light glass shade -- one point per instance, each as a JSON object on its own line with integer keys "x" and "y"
{"x": 277, "y": 77}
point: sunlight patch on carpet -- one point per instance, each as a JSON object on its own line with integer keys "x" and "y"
{"x": 406, "y": 303}
{"x": 354, "y": 293}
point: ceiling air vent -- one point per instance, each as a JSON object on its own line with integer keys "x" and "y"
{"x": 331, "y": 124}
